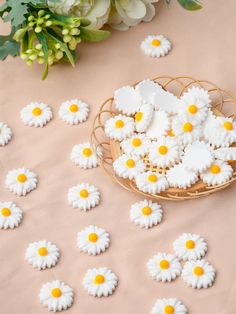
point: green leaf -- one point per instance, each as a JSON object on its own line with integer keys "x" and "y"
{"x": 191, "y": 5}
{"x": 45, "y": 72}
{"x": 93, "y": 35}
{"x": 11, "y": 48}
{"x": 43, "y": 41}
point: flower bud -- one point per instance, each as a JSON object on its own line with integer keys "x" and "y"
{"x": 57, "y": 46}
{"x": 23, "y": 56}
{"x": 40, "y": 60}
{"x": 74, "y": 31}
{"x": 67, "y": 38}
{"x": 41, "y": 13}
{"x": 38, "y": 29}
{"x": 59, "y": 55}
{"x": 29, "y": 62}
{"x": 38, "y": 46}
{"x": 30, "y": 18}
{"x": 33, "y": 57}
{"x": 65, "y": 31}
{"x": 48, "y": 23}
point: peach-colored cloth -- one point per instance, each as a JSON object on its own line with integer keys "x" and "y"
{"x": 203, "y": 47}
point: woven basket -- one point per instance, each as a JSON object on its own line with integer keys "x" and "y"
{"x": 223, "y": 104}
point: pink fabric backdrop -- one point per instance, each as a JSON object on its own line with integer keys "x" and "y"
{"x": 203, "y": 47}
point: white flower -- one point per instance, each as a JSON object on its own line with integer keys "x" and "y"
{"x": 143, "y": 117}
{"x": 137, "y": 145}
{"x": 119, "y": 128}
{"x": 5, "y": 134}
{"x": 10, "y": 215}
{"x": 36, "y": 114}
{"x": 190, "y": 246}
{"x": 146, "y": 213}
{"x": 42, "y": 254}
{"x": 74, "y": 111}
{"x": 100, "y": 282}
{"x": 93, "y": 240}
{"x": 128, "y": 167}
{"x": 160, "y": 124}
{"x": 21, "y": 181}
{"x": 71, "y": 7}
{"x": 164, "y": 267}
{"x": 169, "y": 306}
{"x": 179, "y": 177}
{"x": 151, "y": 182}
{"x": 127, "y": 100}
{"x": 219, "y": 173}
{"x": 84, "y": 155}
{"x": 84, "y": 196}
{"x": 56, "y": 296}
{"x": 156, "y": 46}
{"x": 198, "y": 274}
{"x": 99, "y": 13}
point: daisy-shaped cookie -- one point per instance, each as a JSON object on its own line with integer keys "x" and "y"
{"x": 164, "y": 152}
{"x": 151, "y": 182}
{"x": 74, "y": 111}
{"x": 85, "y": 156}
{"x": 186, "y": 130}
{"x": 160, "y": 124}
{"x": 190, "y": 246}
{"x": 21, "y": 181}
{"x": 5, "y": 134}
{"x": 146, "y": 214}
{"x": 36, "y": 114}
{"x": 198, "y": 274}
{"x": 219, "y": 173}
{"x": 42, "y": 254}
{"x": 166, "y": 101}
{"x": 128, "y": 167}
{"x": 164, "y": 267}
{"x": 137, "y": 145}
{"x": 146, "y": 89}
{"x": 56, "y": 296}
{"x": 100, "y": 282}
{"x": 180, "y": 177}
{"x": 156, "y": 46}
{"x": 198, "y": 156}
{"x": 84, "y": 196}
{"x": 10, "y": 215}
{"x": 93, "y": 240}
{"x": 127, "y": 100}
{"x": 198, "y": 93}
{"x": 143, "y": 117}
{"x": 226, "y": 154}
{"x": 119, "y": 128}
{"x": 169, "y": 306}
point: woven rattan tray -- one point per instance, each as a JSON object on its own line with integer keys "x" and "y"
{"x": 223, "y": 104}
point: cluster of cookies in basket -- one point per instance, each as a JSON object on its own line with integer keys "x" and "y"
{"x": 170, "y": 142}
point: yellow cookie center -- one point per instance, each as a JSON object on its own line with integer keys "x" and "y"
{"x": 119, "y": 124}
{"x": 93, "y": 237}
{"x": 42, "y": 251}
{"x": 198, "y": 271}
{"x": 190, "y": 244}
{"x": 74, "y": 108}
{"x": 138, "y": 116}
{"x": 84, "y": 193}
{"x": 170, "y": 133}
{"x": 99, "y": 279}
{"x": 146, "y": 211}
{"x": 228, "y": 126}
{"x": 164, "y": 264}
{"x": 56, "y": 292}
{"x": 130, "y": 163}
{"x": 136, "y": 142}
{"x": 152, "y": 178}
{"x": 187, "y": 127}
{"x": 21, "y": 178}
{"x": 169, "y": 309}
{"x": 6, "y": 212}
{"x": 87, "y": 152}
{"x": 163, "y": 150}
{"x": 215, "y": 169}
{"x": 156, "y": 42}
{"x": 36, "y": 111}
{"x": 192, "y": 109}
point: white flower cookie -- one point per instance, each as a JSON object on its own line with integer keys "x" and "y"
{"x": 156, "y": 46}
{"x": 74, "y": 111}
{"x": 164, "y": 267}
{"x": 119, "y": 128}
{"x": 151, "y": 182}
{"x": 166, "y": 101}
{"x": 84, "y": 196}
{"x": 198, "y": 274}
{"x": 219, "y": 173}
{"x": 146, "y": 89}
{"x": 5, "y": 134}
{"x": 21, "y": 181}
{"x": 128, "y": 167}
{"x": 85, "y": 156}
{"x": 42, "y": 254}
{"x": 10, "y": 215}
{"x": 225, "y": 154}
{"x": 56, "y": 296}
{"x": 93, "y": 240}
{"x": 190, "y": 247}
{"x": 146, "y": 214}
{"x": 100, "y": 282}
{"x": 127, "y": 100}
{"x": 137, "y": 145}
{"x": 186, "y": 129}
{"x": 143, "y": 118}
{"x": 179, "y": 177}
{"x": 169, "y": 306}
{"x": 160, "y": 124}
{"x": 36, "y": 114}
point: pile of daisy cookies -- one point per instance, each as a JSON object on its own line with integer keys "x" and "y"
{"x": 166, "y": 142}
